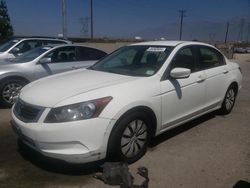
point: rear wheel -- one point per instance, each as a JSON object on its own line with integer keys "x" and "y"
{"x": 229, "y": 100}
{"x": 9, "y": 91}
{"x": 129, "y": 138}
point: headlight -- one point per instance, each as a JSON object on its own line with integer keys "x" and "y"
{"x": 79, "y": 111}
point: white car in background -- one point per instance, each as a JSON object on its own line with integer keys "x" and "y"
{"x": 112, "y": 109}
{"x": 14, "y": 47}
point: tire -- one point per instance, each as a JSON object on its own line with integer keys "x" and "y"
{"x": 229, "y": 100}
{"x": 9, "y": 90}
{"x": 129, "y": 138}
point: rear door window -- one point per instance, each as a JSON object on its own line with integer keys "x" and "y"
{"x": 88, "y": 54}
{"x": 210, "y": 58}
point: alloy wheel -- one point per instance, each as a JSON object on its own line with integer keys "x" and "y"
{"x": 229, "y": 100}
{"x": 134, "y": 138}
{"x": 10, "y": 92}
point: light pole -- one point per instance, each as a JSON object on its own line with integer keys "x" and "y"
{"x": 182, "y": 12}
{"x": 226, "y": 32}
{"x": 91, "y": 19}
{"x": 64, "y": 20}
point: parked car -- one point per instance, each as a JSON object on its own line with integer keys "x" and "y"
{"x": 40, "y": 62}
{"x": 113, "y": 108}
{"x": 17, "y": 46}
{"x": 248, "y": 49}
{"x": 240, "y": 50}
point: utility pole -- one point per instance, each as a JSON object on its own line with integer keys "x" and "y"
{"x": 226, "y": 32}
{"x": 64, "y": 21}
{"x": 182, "y": 14}
{"x": 91, "y": 19}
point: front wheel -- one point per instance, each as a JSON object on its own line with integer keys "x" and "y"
{"x": 9, "y": 91}
{"x": 129, "y": 138}
{"x": 229, "y": 100}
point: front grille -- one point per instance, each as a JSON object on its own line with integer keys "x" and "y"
{"x": 27, "y": 112}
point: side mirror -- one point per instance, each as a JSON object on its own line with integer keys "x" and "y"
{"x": 45, "y": 60}
{"x": 180, "y": 73}
{"x": 15, "y": 50}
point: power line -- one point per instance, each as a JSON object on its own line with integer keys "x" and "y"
{"x": 182, "y": 14}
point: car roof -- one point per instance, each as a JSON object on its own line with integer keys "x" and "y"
{"x": 73, "y": 45}
{"x": 43, "y": 38}
{"x": 39, "y": 38}
{"x": 170, "y": 43}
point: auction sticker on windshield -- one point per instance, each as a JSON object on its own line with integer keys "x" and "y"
{"x": 156, "y": 49}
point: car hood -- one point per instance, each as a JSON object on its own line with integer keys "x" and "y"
{"x": 47, "y": 92}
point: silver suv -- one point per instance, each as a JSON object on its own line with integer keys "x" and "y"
{"x": 17, "y": 46}
{"x": 40, "y": 62}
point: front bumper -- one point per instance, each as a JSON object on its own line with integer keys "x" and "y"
{"x": 74, "y": 142}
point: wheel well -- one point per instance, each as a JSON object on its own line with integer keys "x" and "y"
{"x": 15, "y": 77}
{"x": 149, "y": 112}
{"x": 235, "y": 86}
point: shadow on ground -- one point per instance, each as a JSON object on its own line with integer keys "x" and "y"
{"x": 58, "y": 166}
{"x": 182, "y": 128}
{"x": 55, "y": 165}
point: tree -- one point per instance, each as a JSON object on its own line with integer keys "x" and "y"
{"x": 6, "y": 29}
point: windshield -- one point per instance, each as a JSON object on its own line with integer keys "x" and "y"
{"x": 31, "y": 55}
{"x": 7, "y": 45}
{"x": 140, "y": 60}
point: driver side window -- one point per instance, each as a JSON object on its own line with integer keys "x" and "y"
{"x": 184, "y": 58}
{"x": 63, "y": 54}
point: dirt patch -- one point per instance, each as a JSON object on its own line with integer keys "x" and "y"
{"x": 3, "y": 174}
{"x": 242, "y": 57}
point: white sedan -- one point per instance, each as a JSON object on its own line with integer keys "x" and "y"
{"x": 112, "y": 109}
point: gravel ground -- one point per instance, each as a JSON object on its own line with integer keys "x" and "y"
{"x": 212, "y": 151}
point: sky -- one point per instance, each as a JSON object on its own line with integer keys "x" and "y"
{"x": 150, "y": 19}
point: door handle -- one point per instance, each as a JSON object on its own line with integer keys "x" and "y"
{"x": 200, "y": 78}
{"x": 225, "y": 71}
